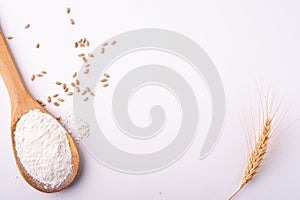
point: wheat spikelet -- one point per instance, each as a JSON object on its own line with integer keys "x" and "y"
{"x": 257, "y": 155}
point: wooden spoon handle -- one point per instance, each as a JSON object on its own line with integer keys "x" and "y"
{"x": 10, "y": 73}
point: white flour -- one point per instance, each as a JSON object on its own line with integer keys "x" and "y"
{"x": 78, "y": 127}
{"x": 43, "y": 148}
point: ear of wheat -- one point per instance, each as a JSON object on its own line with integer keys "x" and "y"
{"x": 257, "y": 155}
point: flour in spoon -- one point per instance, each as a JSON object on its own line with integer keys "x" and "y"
{"x": 43, "y": 148}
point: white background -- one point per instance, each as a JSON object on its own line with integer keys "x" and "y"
{"x": 249, "y": 42}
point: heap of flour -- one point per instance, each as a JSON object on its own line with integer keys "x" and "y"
{"x": 43, "y": 148}
{"x": 75, "y": 126}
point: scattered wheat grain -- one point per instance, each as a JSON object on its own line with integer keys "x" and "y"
{"x": 60, "y": 100}
{"x": 102, "y": 50}
{"x": 86, "y": 71}
{"x": 32, "y": 77}
{"x": 77, "y": 89}
{"x": 84, "y": 92}
{"x": 39, "y": 101}
{"x": 74, "y": 74}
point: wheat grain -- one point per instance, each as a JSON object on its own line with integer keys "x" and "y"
{"x": 102, "y": 50}
{"x": 39, "y": 101}
{"x": 32, "y": 77}
{"x": 257, "y": 155}
{"x": 74, "y": 74}
{"x": 60, "y": 99}
{"x": 86, "y": 71}
{"x": 84, "y": 92}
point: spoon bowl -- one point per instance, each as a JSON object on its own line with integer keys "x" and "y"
{"x": 21, "y": 103}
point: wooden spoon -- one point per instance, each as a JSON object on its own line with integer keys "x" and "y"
{"x": 21, "y": 103}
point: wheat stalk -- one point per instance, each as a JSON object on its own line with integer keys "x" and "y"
{"x": 257, "y": 155}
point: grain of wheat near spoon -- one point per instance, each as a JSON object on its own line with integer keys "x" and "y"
{"x": 21, "y": 103}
